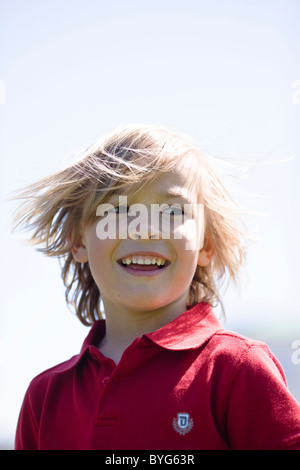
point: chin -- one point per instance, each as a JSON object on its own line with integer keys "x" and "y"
{"x": 149, "y": 303}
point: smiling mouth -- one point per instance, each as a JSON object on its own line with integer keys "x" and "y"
{"x": 143, "y": 264}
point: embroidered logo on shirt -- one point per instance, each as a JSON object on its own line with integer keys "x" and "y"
{"x": 183, "y": 423}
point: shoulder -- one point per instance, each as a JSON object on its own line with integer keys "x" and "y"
{"x": 255, "y": 392}
{"x": 229, "y": 343}
{"x": 237, "y": 353}
{"x": 40, "y": 384}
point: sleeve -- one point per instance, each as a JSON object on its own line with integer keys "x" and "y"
{"x": 262, "y": 414}
{"x": 27, "y": 429}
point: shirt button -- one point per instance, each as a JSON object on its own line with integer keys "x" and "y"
{"x": 104, "y": 381}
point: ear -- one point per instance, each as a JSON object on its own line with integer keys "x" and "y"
{"x": 79, "y": 252}
{"x": 206, "y": 253}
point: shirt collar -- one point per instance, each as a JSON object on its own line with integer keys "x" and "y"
{"x": 93, "y": 338}
{"x": 190, "y": 330}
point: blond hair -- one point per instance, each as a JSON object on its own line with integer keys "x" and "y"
{"x": 57, "y": 208}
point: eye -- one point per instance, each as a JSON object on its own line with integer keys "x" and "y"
{"x": 174, "y": 210}
{"x": 120, "y": 209}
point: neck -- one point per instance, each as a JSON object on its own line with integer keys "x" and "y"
{"x": 123, "y": 326}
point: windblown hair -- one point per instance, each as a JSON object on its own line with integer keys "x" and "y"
{"x": 58, "y": 208}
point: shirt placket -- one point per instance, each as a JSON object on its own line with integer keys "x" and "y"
{"x": 105, "y": 423}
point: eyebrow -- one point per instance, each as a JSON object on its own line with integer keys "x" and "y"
{"x": 175, "y": 193}
{"x": 169, "y": 194}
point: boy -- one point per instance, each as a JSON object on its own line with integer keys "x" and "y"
{"x": 145, "y": 228}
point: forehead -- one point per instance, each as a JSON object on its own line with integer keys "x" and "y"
{"x": 183, "y": 180}
{"x": 174, "y": 183}
{"x": 169, "y": 184}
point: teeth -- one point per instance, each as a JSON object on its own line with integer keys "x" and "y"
{"x": 143, "y": 260}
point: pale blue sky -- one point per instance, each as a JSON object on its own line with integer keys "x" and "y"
{"x": 221, "y": 71}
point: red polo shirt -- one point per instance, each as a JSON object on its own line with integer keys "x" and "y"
{"x": 189, "y": 385}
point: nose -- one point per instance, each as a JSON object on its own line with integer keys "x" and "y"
{"x": 142, "y": 223}
{"x": 136, "y": 236}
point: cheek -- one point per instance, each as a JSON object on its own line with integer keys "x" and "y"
{"x": 186, "y": 258}
{"x": 99, "y": 253}
{"x": 191, "y": 234}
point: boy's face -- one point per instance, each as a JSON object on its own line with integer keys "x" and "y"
{"x": 145, "y": 259}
